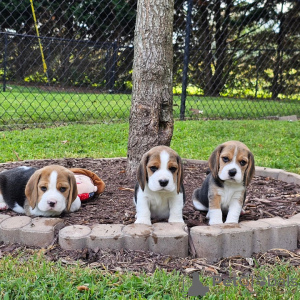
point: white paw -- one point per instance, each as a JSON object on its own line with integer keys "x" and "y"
{"x": 175, "y": 220}
{"x": 75, "y": 205}
{"x": 3, "y": 206}
{"x": 231, "y": 221}
{"x": 143, "y": 221}
{"x": 215, "y": 222}
{"x": 215, "y": 216}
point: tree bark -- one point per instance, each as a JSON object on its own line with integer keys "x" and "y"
{"x": 151, "y": 115}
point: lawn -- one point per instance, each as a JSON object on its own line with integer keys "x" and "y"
{"x": 275, "y": 144}
{"x": 34, "y": 277}
{"x": 32, "y": 106}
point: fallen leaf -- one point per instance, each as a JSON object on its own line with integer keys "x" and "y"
{"x": 82, "y": 288}
{"x": 64, "y": 142}
{"x": 126, "y": 189}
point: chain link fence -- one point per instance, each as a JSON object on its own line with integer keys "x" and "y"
{"x": 232, "y": 60}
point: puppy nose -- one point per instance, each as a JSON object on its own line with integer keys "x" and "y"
{"x": 232, "y": 172}
{"x": 163, "y": 182}
{"x": 51, "y": 203}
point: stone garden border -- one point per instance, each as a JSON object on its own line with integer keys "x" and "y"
{"x": 210, "y": 242}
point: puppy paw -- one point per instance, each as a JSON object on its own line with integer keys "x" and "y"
{"x": 75, "y": 205}
{"x": 212, "y": 222}
{"x": 176, "y": 220}
{"x": 231, "y": 222}
{"x": 3, "y": 206}
{"x": 146, "y": 222}
{"x": 215, "y": 216}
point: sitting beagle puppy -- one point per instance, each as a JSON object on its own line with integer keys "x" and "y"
{"x": 224, "y": 189}
{"x": 159, "y": 192}
{"x": 39, "y": 192}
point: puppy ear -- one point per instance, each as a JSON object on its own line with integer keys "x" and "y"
{"x": 31, "y": 189}
{"x": 73, "y": 190}
{"x": 249, "y": 173}
{"x": 179, "y": 175}
{"x": 214, "y": 161}
{"x": 141, "y": 174}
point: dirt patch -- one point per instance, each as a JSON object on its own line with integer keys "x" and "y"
{"x": 266, "y": 197}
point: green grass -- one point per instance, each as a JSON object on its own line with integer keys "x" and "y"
{"x": 31, "y": 105}
{"x": 35, "y": 277}
{"x": 275, "y": 144}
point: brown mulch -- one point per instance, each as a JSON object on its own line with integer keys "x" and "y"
{"x": 266, "y": 198}
{"x": 140, "y": 261}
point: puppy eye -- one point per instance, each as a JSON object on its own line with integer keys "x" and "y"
{"x": 44, "y": 188}
{"x": 153, "y": 169}
{"x": 225, "y": 159}
{"x": 243, "y": 163}
{"x": 62, "y": 189}
{"x": 173, "y": 169}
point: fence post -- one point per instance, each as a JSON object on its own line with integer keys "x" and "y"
{"x": 257, "y": 67}
{"x": 114, "y": 64}
{"x": 186, "y": 59}
{"x": 111, "y": 61}
{"x": 4, "y": 62}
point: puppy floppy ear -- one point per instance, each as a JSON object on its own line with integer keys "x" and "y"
{"x": 73, "y": 190}
{"x": 249, "y": 173}
{"x": 31, "y": 189}
{"x": 142, "y": 175}
{"x": 179, "y": 175}
{"x": 214, "y": 161}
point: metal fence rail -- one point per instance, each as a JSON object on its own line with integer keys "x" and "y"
{"x": 233, "y": 59}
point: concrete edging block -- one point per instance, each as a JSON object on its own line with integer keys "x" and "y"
{"x": 267, "y": 172}
{"x": 10, "y": 228}
{"x": 106, "y": 236}
{"x": 261, "y": 235}
{"x": 208, "y": 242}
{"x": 74, "y": 237}
{"x": 40, "y": 232}
{"x": 237, "y": 240}
{"x": 136, "y": 236}
{"x": 284, "y": 233}
{"x": 169, "y": 239}
{"x": 289, "y": 177}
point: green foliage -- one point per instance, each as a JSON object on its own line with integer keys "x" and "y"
{"x": 37, "y": 78}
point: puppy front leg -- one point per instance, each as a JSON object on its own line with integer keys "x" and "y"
{"x": 75, "y": 205}
{"x": 143, "y": 213}
{"x": 234, "y": 212}
{"x": 176, "y": 206}
{"x": 3, "y": 205}
{"x": 214, "y": 213}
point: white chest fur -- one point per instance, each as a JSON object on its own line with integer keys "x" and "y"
{"x": 159, "y": 204}
{"x": 231, "y": 192}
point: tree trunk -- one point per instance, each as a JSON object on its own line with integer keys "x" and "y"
{"x": 151, "y": 115}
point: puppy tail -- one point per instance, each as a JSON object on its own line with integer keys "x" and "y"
{"x": 197, "y": 204}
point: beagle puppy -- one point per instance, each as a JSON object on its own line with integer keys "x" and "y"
{"x": 159, "y": 192}
{"x": 224, "y": 189}
{"x": 45, "y": 192}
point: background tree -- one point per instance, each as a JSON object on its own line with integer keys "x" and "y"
{"x": 151, "y": 116}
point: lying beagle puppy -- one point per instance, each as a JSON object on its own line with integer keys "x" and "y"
{"x": 45, "y": 192}
{"x": 159, "y": 192}
{"x": 224, "y": 189}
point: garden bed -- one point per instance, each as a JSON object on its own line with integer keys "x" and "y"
{"x": 266, "y": 197}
